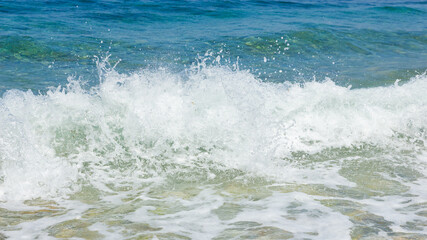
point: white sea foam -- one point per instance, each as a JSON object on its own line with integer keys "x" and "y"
{"x": 135, "y": 133}
{"x": 155, "y": 123}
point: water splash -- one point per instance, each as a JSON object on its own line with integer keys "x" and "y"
{"x": 153, "y": 123}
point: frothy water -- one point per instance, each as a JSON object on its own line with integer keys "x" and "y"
{"x": 213, "y": 153}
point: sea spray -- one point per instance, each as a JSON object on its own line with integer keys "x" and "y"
{"x": 153, "y": 123}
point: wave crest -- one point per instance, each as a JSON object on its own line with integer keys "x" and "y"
{"x": 152, "y": 124}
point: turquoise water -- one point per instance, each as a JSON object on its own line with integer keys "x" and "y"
{"x": 213, "y": 119}
{"x": 359, "y": 43}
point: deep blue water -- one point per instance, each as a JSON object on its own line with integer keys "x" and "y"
{"x": 358, "y": 43}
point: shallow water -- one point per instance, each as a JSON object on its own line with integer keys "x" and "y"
{"x": 223, "y": 120}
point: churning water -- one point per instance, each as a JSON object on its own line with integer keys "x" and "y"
{"x": 221, "y": 120}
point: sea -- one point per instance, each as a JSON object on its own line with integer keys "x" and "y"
{"x": 227, "y": 119}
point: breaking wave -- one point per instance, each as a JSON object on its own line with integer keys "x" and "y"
{"x": 152, "y": 124}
